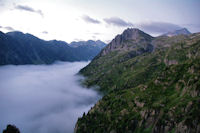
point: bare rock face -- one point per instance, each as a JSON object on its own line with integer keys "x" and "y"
{"x": 130, "y": 39}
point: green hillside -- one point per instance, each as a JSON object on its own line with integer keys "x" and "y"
{"x": 146, "y": 90}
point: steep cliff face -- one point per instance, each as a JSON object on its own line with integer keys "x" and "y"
{"x": 157, "y": 91}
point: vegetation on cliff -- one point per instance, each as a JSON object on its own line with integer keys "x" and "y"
{"x": 154, "y": 90}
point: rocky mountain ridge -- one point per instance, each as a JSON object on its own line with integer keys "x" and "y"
{"x": 130, "y": 39}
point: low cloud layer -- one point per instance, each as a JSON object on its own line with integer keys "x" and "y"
{"x": 158, "y": 27}
{"x": 88, "y": 19}
{"x": 118, "y": 22}
{"x": 43, "y": 98}
{"x": 29, "y": 9}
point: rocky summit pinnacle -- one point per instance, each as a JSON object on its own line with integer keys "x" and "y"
{"x": 134, "y": 34}
{"x": 130, "y": 39}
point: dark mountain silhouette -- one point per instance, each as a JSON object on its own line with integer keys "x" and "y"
{"x": 19, "y": 48}
{"x": 11, "y": 129}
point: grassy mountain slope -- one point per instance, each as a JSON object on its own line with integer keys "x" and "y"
{"x": 110, "y": 68}
{"x": 155, "y": 91}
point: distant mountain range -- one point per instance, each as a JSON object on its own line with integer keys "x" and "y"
{"x": 182, "y": 31}
{"x": 19, "y": 48}
{"x": 89, "y": 43}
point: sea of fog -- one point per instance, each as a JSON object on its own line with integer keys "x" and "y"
{"x": 43, "y": 98}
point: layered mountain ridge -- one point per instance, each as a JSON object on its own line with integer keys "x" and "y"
{"x": 145, "y": 91}
{"x": 97, "y": 43}
{"x": 19, "y": 48}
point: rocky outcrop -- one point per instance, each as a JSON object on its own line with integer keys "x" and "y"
{"x": 131, "y": 39}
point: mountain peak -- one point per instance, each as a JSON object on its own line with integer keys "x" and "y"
{"x": 128, "y": 40}
{"x": 133, "y": 34}
{"x": 183, "y": 31}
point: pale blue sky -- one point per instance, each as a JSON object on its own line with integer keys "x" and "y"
{"x": 71, "y": 20}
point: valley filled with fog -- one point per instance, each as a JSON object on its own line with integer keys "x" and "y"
{"x": 43, "y": 98}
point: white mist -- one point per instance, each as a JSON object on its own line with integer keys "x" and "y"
{"x": 43, "y": 98}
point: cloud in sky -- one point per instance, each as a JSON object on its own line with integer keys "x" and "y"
{"x": 43, "y": 98}
{"x": 8, "y": 28}
{"x": 29, "y": 9}
{"x": 45, "y": 32}
{"x": 88, "y": 19}
{"x": 72, "y": 25}
{"x": 158, "y": 27}
{"x": 94, "y": 37}
{"x": 97, "y": 33}
{"x": 2, "y": 2}
{"x": 77, "y": 40}
{"x": 118, "y": 22}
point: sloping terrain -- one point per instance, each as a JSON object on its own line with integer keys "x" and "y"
{"x": 154, "y": 90}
